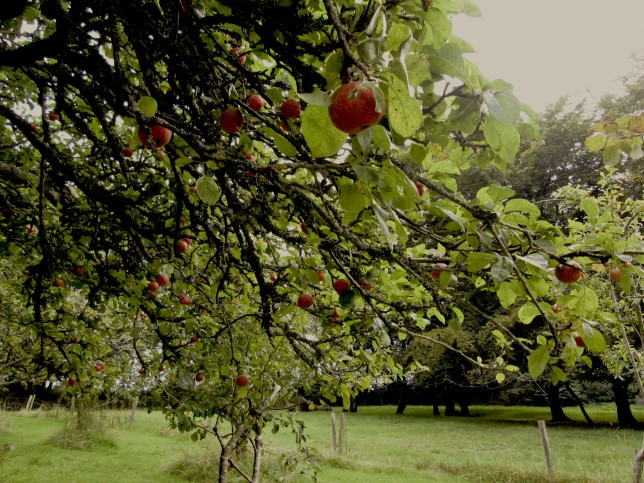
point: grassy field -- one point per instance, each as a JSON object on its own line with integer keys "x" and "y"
{"x": 497, "y": 444}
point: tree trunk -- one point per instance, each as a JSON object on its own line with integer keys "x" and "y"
{"x": 625, "y": 417}
{"x": 450, "y": 408}
{"x": 402, "y": 399}
{"x": 353, "y": 405}
{"x": 437, "y": 411}
{"x": 465, "y": 408}
{"x": 554, "y": 403}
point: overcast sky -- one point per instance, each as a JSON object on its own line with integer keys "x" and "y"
{"x": 549, "y": 48}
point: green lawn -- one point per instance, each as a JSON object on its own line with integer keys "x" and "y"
{"x": 497, "y": 444}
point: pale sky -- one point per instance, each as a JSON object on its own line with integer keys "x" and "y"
{"x": 550, "y": 48}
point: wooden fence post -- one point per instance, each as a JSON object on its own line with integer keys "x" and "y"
{"x": 341, "y": 441}
{"x": 135, "y": 403}
{"x": 334, "y": 440}
{"x": 546, "y": 446}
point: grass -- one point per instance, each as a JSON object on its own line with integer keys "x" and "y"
{"x": 497, "y": 444}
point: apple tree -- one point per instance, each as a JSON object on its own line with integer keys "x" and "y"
{"x": 260, "y": 199}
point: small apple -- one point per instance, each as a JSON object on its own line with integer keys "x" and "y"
{"x": 73, "y": 338}
{"x": 420, "y": 188}
{"x": 99, "y": 367}
{"x": 59, "y": 283}
{"x": 579, "y": 341}
{"x": 366, "y": 285}
{"x": 353, "y": 107}
{"x": 335, "y": 315}
{"x": 231, "y": 120}
{"x": 556, "y": 309}
{"x": 153, "y": 295}
{"x": 161, "y": 368}
{"x": 242, "y": 380}
{"x": 159, "y": 136}
{"x": 53, "y": 116}
{"x": 249, "y": 157}
{"x": 188, "y": 240}
{"x": 128, "y": 151}
{"x": 153, "y": 286}
{"x": 79, "y": 271}
{"x": 193, "y": 189}
{"x": 34, "y": 127}
{"x": 239, "y": 51}
{"x": 273, "y": 277}
{"x": 304, "y": 228}
{"x": 616, "y": 274}
{"x": 568, "y": 272}
{"x": 162, "y": 279}
{"x": 199, "y": 378}
{"x": 142, "y": 371}
{"x": 71, "y": 382}
{"x": 291, "y": 109}
{"x": 194, "y": 339}
{"x": 185, "y": 300}
{"x": 283, "y": 125}
{"x": 305, "y": 301}
{"x": 256, "y": 102}
{"x": 340, "y": 285}
{"x": 437, "y": 273}
{"x": 321, "y": 275}
{"x": 182, "y": 246}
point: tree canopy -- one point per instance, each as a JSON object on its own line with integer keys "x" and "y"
{"x": 200, "y": 141}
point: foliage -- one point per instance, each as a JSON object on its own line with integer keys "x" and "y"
{"x": 242, "y": 218}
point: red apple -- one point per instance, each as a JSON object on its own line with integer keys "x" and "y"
{"x": 231, "y": 120}
{"x": 556, "y": 309}
{"x": 185, "y": 300}
{"x": 159, "y": 135}
{"x": 304, "y": 228}
{"x": 580, "y": 342}
{"x": 59, "y": 283}
{"x": 568, "y": 272}
{"x": 273, "y": 277}
{"x": 335, "y": 315}
{"x": 340, "y": 285}
{"x": 199, "y": 378}
{"x": 188, "y": 240}
{"x": 142, "y": 371}
{"x": 99, "y": 367}
{"x": 305, "y": 301}
{"x": 79, "y": 271}
{"x": 128, "y": 151}
{"x": 420, "y": 188}
{"x": 153, "y": 295}
{"x": 71, "y": 382}
{"x": 366, "y": 285}
{"x": 437, "y": 273}
{"x": 182, "y": 246}
{"x": 162, "y": 279}
{"x": 53, "y": 116}
{"x": 161, "y": 368}
{"x": 291, "y": 109}
{"x": 153, "y": 286}
{"x": 34, "y": 127}
{"x": 194, "y": 339}
{"x": 242, "y": 380}
{"x": 616, "y": 274}
{"x": 321, "y": 275}
{"x": 239, "y": 51}
{"x": 283, "y": 125}
{"x": 249, "y": 157}
{"x": 193, "y": 189}
{"x": 256, "y": 102}
{"x": 353, "y": 107}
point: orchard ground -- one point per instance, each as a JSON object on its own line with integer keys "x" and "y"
{"x": 496, "y": 444}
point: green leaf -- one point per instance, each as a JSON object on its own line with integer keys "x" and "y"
{"x": 397, "y": 35}
{"x": 316, "y": 98}
{"x": 446, "y": 166}
{"x": 503, "y": 105}
{"x": 538, "y": 360}
{"x": 611, "y": 155}
{"x": 524, "y": 206}
{"x": 322, "y": 137}
{"x": 502, "y": 138}
{"x": 448, "y": 60}
{"x": 527, "y": 312}
{"x": 147, "y": 105}
{"x": 595, "y": 143}
{"x": 506, "y": 294}
{"x": 557, "y": 375}
{"x": 500, "y": 377}
{"x": 536, "y": 260}
{"x": 595, "y": 342}
{"x": 207, "y": 190}
{"x": 351, "y": 198}
{"x": 590, "y": 206}
{"x": 403, "y": 111}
